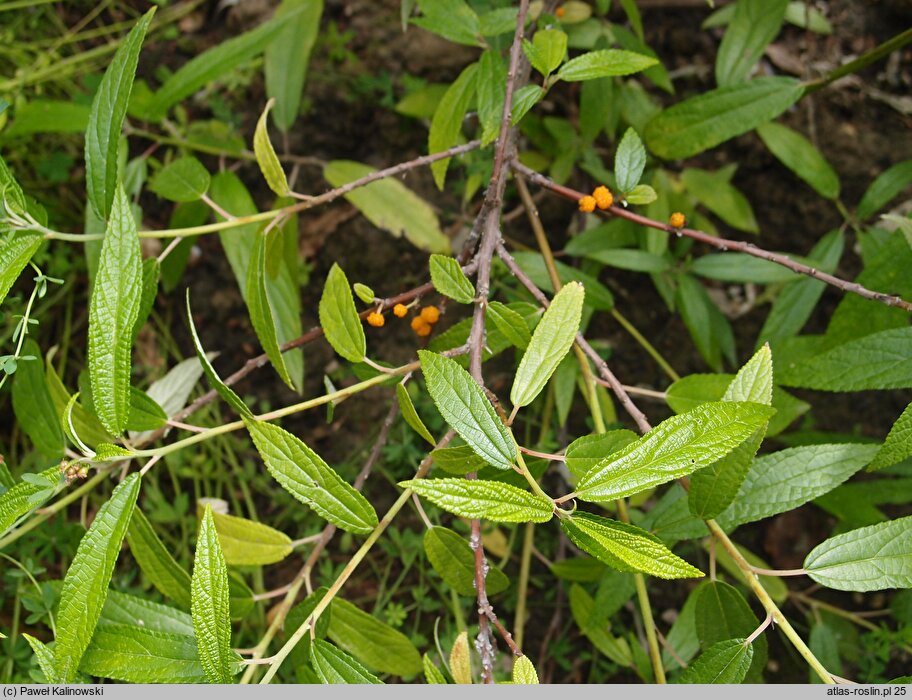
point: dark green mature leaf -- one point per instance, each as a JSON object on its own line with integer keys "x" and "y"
{"x": 584, "y": 453}
{"x": 682, "y": 637}
{"x": 877, "y": 361}
{"x": 550, "y": 342}
{"x": 39, "y": 116}
{"x": 464, "y": 406}
{"x": 625, "y": 547}
{"x": 676, "y": 447}
{"x": 156, "y": 561}
{"x": 446, "y": 126}
{"x": 492, "y": 80}
{"x": 742, "y": 267}
{"x": 458, "y": 460}
{"x": 16, "y": 249}
{"x": 144, "y": 413}
{"x": 151, "y": 271}
{"x": 182, "y": 180}
{"x": 266, "y": 156}
{"x": 629, "y": 161}
{"x": 868, "y": 559}
{"x": 598, "y": 296}
{"x": 708, "y": 327}
{"x": 209, "y": 604}
{"x": 390, "y": 205}
{"x": 716, "y": 193}
{"x": 488, "y": 500}
{"x": 449, "y": 279}
{"x": 453, "y": 559}
{"x": 510, "y": 323}
{"x": 721, "y": 613}
{"x": 604, "y": 63}
{"x": 410, "y": 415}
{"x": 582, "y": 607}
{"x": 109, "y": 107}
{"x": 451, "y": 19}
{"x": 885, "y": 187}
{"x": 301, "y": 472}
{"x": 261, "y": 313}
{"x": 113, "y": 311}
{"x": 784, "y": 480}
{"x": 300, "y": 655}
{"x": 85, "y": 586}
{"x": 801, "y": 157}
{"x": 22, "y": 497}
{"x": 723, "y": 662}
{"x": 135, "y": 654}
{"x": 754, "y": 25}
{"x": 704, "y": 121}
{"x": 249, "y": 543}
{"x": 898, "y": 445}
{"x": 332, "y": 665}
{"x": 34, "y": 407}
{"x": 339, "y": 317}
{"x": 375, "y": 644}
{"x": 287, "y": 57}
{"x": 525, "y": 99}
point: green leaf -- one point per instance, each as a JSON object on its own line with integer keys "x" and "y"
{"x": 547, "y": 50}
{"x": 339, "y": 317}
{"x": 487, "y": 500}
{"x": 332, "y": 665}
{"x": 742, "y": 267}
{"x": 49, "y": 117}
{"x": 460, "y": 663}
{"x": 464, "y": 406}
{"x": 898, "y": 445}
{"x": 156, "y": 561}
{"x": 432, "y": 674}
{"x": 714, "y": 191}
{"x": 151, "y": 270}
{"x": 134, "y": 654}
{"x": 625, "y": 547}
{"x": 375, "y": 644}
{"x": 524, "y": 672}
{"x": 26, "y": 495}
{"x": 113, "y": 311}
{"x": 774, "y": 585}
{"x": 704, "y": 121}
{"x": 446, "y": 126}
{"x": 754, "y": 25}
{"x": 499, "y": 21}
{"x": 641, "y": 194}
{"x": 11, "y": 195}
{"x": 172, "y": 391}
{"x": 451, "y": 19}
{"x": 885, "y": 187}
{"x": 637, "y": 260}
{"x": 249, "y": 543}
{"x": 676, "y": 447}
{"x": 34, "y": 407}
{"x": 144, "y": 413}
{"x": 784, "y": 480}
{"x": 209, "y": 604}
{"x": 525, "y": 99}
{"x": 182, "y": 180}
{"x": 598, "y": 295}
{"x": 583, "y": 610}
{"x": 721, "y": 613}
{"x": 550, "y": 342}
{"x": 364, "y": 293}
{"x": 287, "y": 57}
{"x": 266, "y": 156}
{"x": 407, "y": 408}
{"x": 723, "y": 662}
{"x": 124, "y": 609}
{"x": 453, "y": 559}
{"x": 709, "y": 329}
{"x": 868, "y": 559}
{"x": 43, "y": 655}
{"x": 584, "y": 453}
{"x": 801, "y": 157}
{"x": 86, "y": 583}
{"x": 629, "y": 161}
{"x": 16, "y": 249}
{"x": 510, "y": 323}
{"x": 492, "y": 80}
{"x": 300, "y": 655}
{"x": 877, "y": 361}
{"x": 390, "y": 205}
{"x": 604, "y": 63}
{"x": 806, "y": 16}
{"x": 109, "y": 106}
{"x": 449, "y": 279}
{"x": 301, "y": 472}
{"x": 458, "y": 460}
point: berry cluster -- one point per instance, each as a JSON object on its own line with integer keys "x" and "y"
{"x": 421, "y": 323}
{"x": 601, "y": 197}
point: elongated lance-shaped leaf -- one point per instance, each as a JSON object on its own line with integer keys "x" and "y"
{"x": 43, "y": 655}
{"x": 755, "y": 24}
{"x": 12, "y": 198}
{"x": 720, "y": 613}
{"x": 376, "y": 644}
{"x": 625, "y": 547}
{"x": 151, "y": 271}
{"x": 156, "y": 561}
{"x": 124, "y": 609}
{"x": 488, "y": 500}
{"x": 34, "y": 407}
{"x": 453, "y": 558}
{"x": 109, "y": 107}
{"x": 410, "y": 415}
{"x": 85, "y": 586}
{"x": 464, "y": 406}
{"x": 249, "y": 543}
{"x": 898, "y": 445}
{"x": 301, "y": 472}
{"x": 510, "y": 323}
{"x": 135, "y": 654}
{"x": 446, "y": 124}
{"x": 266, "y": 156}
{"x": 492, "y": 80}
{"x": 460, "y": 661}
{"x": 261, "y": 314}
{"x": 629, "y": 161}
{"x": 432, "y": 674}
{"x": 113, "y": 311}
{"x": 339, "y": 317}
{"x": 449, "y": 279}
{"x": 16, "y": 249}
{"x": 800, "y": 156}
{"x": 676, "y": 447}
{"x": 209, "y": 604}
{"x": 723, "y": 662}
{"x": 604, "y": 63}
{"x": 287, "y": 57}
{"x": 868, "y": 559}
{"x": 334, "y": 666}
{"x": 550, "y": 342}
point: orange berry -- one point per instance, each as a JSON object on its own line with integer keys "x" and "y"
{"x": 400, "y": 310}
{"x": 376, "y": 319}
{"x": 424, "y": 330}
{"x": 418, "y": 322}
{"x": 587, "y": 204}
{"x": 560, "y": 12}
{"x": 431, "y": 314}
{"x": 677, "y": 220}
{"x": 603, "y": 197}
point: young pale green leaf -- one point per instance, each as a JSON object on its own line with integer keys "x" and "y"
{"x": 582, "y": 607}
{"x": 584, "y": 453}
{"x": 172, "y": 391}
{"x": 364, "y": 293}
{"x": 432, "y": 674}
{"x": 135, "y": 654}
{"x": 898, "y": 445}
{"x": 446, "y": 126}
{"x": 407, "y": 408}
{"x": 339, "y": 317}
{"x": 156, "y": 561}
{"x": 491, "y": 92}
{"x": 266, "y": 156}
{"x": 868, "y": 559}
{"x": 754, "y": 381}
{"x": 43, "y": 655}
{"x": 547, "y": 50}
{"x": 16, "y": 249}
{"x": 524, "y": 671}
{"x": 550, "y": 342}
{"x": 460, "y": 661}
{"x": 525, "y": 99}
{"x": 784, "y": 480}
{"x": 249, "y": 543}
{"x": 877, "y": 361}
{"x": 33, "y": 406}
{"x": 676, "y": 447}
{"x": 704, "y": 121}
{"x": 625, "y": 547}
{"x": 604, "y": 63}
{"x": 287, "y": 56}
{"x": 629, "y": 161}
{"x": 510, "y": 323}
{"x": 452, "y": 19}
{"x": 109, "y": 107}
{"x": 464, "y": 406}
{"x": 723, "y": 662}
{"x": 714, "y": 191}
{"x": 11, "y": 195}
{"x": 641, "y": 194}
{"x": 458, "y": 460}
{"x": 453, "y": 559}
{"x": 390, "y": 205}
{"x": 885, "y": 187}
{"x": 801, "y": 157}
{"x": 209, "y": 604}
{"x": 375, "y": 644}
{"x": 22, "y": 497}
{"x": 754, "y": 25}
{"x": 301, "y": 472}
{"x": 261, "y": 313}
{"x": 86, "y": 583}
{"x": 449, "y": 279}
{"x": 487, "y": 500}
{"x": 182, "y": 180}
{"x": 332, "y": 665}
{"x": 721, "y": 613}
{"x": 113, "y": 311}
